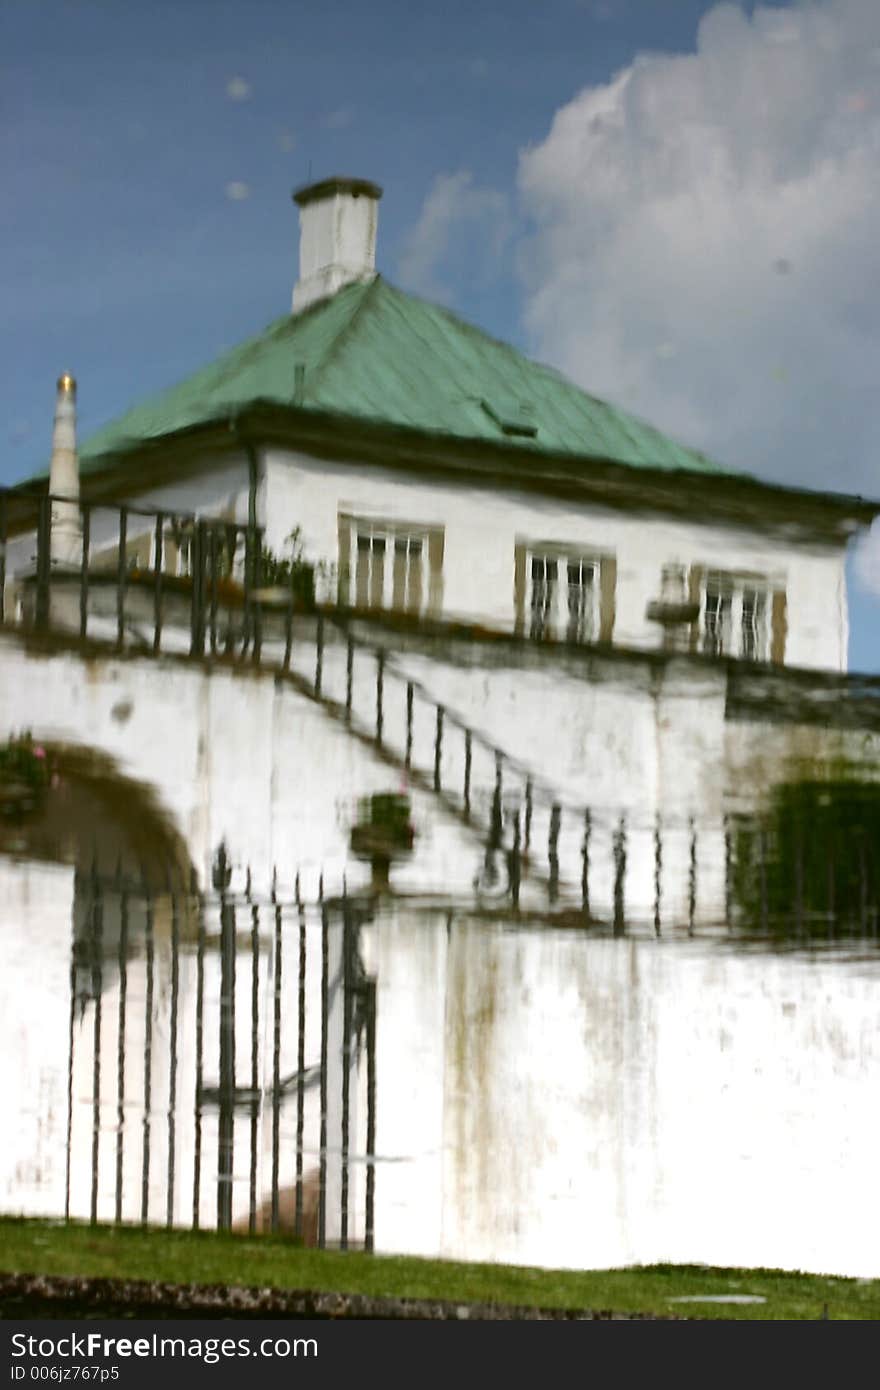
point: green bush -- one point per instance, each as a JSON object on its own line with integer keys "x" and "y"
{"x": 383, "y": 826}
{"x": 818, "y": 843}
{"x": 24, "y": 777}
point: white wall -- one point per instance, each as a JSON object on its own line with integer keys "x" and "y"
{"x": 543, "y": 1097}
{"x": 549, "y": 1098}
{"x": 237, "y": 756}
{"x": 482, "y": 526}
{"x": 36, "y": 905}
{"x": 230, "y": 756}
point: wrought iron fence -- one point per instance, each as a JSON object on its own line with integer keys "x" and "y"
{"x": 222, "y": 1062}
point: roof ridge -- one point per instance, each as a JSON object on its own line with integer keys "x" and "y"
{"x": 343, "y": 334}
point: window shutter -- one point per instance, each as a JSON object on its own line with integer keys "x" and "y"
{"x": 779, "y": 629}
{"x": 696, "y": 579}
{"x": 519, "y": 587}
{"x": 436, "y": 540}
{"x": 607, "y": 597}
{"x": 343, "y": 526}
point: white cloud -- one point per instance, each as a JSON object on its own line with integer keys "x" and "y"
{"x": 236, "y": 191}
{"x": 462, "y": 233}
{"x": 704, "y": 241}
{"x": 238, "y": 89}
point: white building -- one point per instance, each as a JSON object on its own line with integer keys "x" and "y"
{"x": 434, "y": 471}
{"x": 580, "y": 647}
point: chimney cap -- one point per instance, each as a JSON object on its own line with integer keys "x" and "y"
{"x": 328, "y": 188}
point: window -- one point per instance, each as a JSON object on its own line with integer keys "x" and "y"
{"x": 564, "y": 595}
{"x": 370, "y": 570}
{"x": 583, "y": 587}
{"x": 717, "y": 632}
{"x": 392, "y": 564}
{"x": 543, "y": 596}
{"x": 736, "y": 617}
{"x": 753, "y": 646}
{"x": 406, "y": 575}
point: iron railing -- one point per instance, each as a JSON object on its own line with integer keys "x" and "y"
{"x": 579, "y": 857}
{"x": 202, "y": 1090}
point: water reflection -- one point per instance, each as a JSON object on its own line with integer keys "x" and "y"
{"x": 810, "y": 864}
{"x": 430, "y": 1080}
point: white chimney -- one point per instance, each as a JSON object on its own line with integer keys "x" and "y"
{"x": 337, "y": 237}
{"x": 66, "y": 544}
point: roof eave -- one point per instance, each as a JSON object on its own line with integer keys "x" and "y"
{"x": 734, "y": 499}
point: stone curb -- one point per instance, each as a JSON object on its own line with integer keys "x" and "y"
{"x": 41, "y": 1295}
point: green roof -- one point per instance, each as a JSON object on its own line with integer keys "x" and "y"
{"x": 373, "y": 353}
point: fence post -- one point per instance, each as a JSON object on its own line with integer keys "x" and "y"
{"x": 300, "y": 1062}
{"x": 319, "y": 654}
{"x": 585, "y": 872}
{"x": 121, "y": 575}
{"x": 86, "y": 512}
{"x": 728, "y": 874}
{"x": 692, "y": 879}
{"x": 380, "y": 690}
{"x": 148, "y": 1049}
{"x": 658, "y": 874}
{"x": 197, "y": 566}
{"x": 348, "y": 937}
{"x": 97, "y": 989}
{"x": 212, "y": 591}
{"x": 248, "y": 586}
{"x": 322, "y": 1156}
{"x": 226, "y": 1122}
{"x": 407, "y": 761}
{"x": 276, "y": 1054}
{"x": 256, "y": 604}
{"x": 158, "y": 562}
{"x": 122, "y": 960}
{"x": 349, "y": 675}
{"x": 255, "y": 1062}
{"x": 438, "y": 748}
{"x": 369, "y": 1216}
{"x": 553, "y": 851}
{"x": 172, "y": 1058}
{"x": 200, "y": 1048}
{"x": 75, "y": 954}
{"x": 515, "y": 864}
{"x": 619, "y": 877}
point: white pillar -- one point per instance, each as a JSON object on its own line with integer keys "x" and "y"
{"x": 66, "y": 549}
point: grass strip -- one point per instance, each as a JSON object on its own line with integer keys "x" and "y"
{"x": 207, "y": 1257}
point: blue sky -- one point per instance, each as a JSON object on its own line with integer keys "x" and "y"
{"x": 695, "y": 239}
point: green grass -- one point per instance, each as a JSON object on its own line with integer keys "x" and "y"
{"x": 183, "y": 1257}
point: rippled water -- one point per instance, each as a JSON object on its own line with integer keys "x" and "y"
{"x": 457, "y": 1084}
